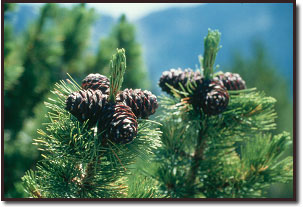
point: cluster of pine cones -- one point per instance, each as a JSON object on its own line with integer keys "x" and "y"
{"x": 210, "y": 95}
{"x": 117, "y": 121}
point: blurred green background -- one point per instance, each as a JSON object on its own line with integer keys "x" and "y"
{"x": 40, "y": 48}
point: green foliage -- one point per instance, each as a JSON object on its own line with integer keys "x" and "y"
{"x": 76, "y": 32}
{"x": 261, "y": 73}
{"x": 230, "y": 155}
{"x": 13, "y": 68}
{"x": 8, "y": 39}
{"x": 18, "y": 155}
{"x": 118, "y": 67}
{"x": 211, "y": 45}
{"x": 76, "y": 162}
{"x": 123, "y": 36}
{"x": 35, "y": 54}
{"x": 9, "y": 7}
{"x": 225, "y": 156}
{"x": 141, "y": 186}
{"x": 53, "y": 44}
{"x": 239, "y": 142}
{"x": 11, "y": 76}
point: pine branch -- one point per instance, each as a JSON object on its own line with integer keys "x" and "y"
{"x": 225, "y": 155}
{"x": 30, "y": 186}
{"x": 86, "y": 179}
{"x": 78, "y": 161}
{"x": 91, "y": 168}
{"x": 198, "y": 154}
{"x": 215, "y": 166}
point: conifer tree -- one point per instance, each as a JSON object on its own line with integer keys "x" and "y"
{"x": 75, "y": 29}
{"x": 35, "y": 62}
{"x": 44, "y": 57}
{"x": 53, "y": 44}
{"x": 11, "y": 55}
{"x": 261, "y": 73}
{"x": 92, "y": 138}
{"x": 217, "y": 140}
{"x": 123, "y": 36}
{"x": 12, "y": 71}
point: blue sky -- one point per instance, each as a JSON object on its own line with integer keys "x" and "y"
{"x": 133, "y": 11}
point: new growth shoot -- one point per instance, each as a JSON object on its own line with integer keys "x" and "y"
{"x": 211, "y": 48}
{"x": 117, "y": 67}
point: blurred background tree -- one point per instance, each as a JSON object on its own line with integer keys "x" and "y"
{"x": 123, "y": 36}
{"x": 11, "y": 59}
{"x": 76, "y": 35}
{"x": 259, "y": 71}
{"x": 13, "y": 70}
{"x": 51, "y": 46}
{"x": 36, "y": 58}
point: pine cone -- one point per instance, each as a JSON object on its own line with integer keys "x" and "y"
{"x": 119, "y": 123}
{"x": 142, "y": 103}
{"x": 173, "y": 77}
{"x": 86, "y": 104}
{"x": 211, "y": 96}
{"x": 232, "y": 81}
{"x": 96, "y": 82}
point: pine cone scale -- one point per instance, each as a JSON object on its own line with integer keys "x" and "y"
{"x": 96, "y": 82}
{"x": 211, "y": 96}
{"x": 142, "y": 103}
{"x": 119, "y": 124}
{"x": 86, "y": 104}
{"x": 232, "y": 81}
{"x": 177, "y": 77}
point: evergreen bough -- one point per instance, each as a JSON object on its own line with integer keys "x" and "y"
{"x": 77, "y": 164}
{"x": 229, "y": 155}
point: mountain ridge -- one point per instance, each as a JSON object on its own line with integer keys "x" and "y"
{"x": 271, "y": 23}
{"x": 173, "y": 37}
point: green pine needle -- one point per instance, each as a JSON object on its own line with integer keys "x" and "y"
{"x": 118, "y": 67}
{"x": 241, "y": 158}
{"x": 211, "y": 48}
{"x": 76, "y": 164}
